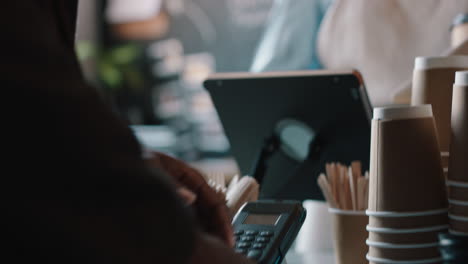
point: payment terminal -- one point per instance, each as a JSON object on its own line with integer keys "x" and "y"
{"x": 265, "y": 229}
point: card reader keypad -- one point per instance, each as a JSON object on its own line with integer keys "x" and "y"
{"x": 252, "y": 242}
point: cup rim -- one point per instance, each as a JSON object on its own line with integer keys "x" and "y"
{"x": 457, "y": 233}
{"x": 402, "y": 112}
{"x": 345, "y": 212}
{"x": 406, "y": 214}
{"x": 391, "y": 261}
{"x": 460, "y": 184}
{"x": 400, "y": 246}
{"x": 387, "y": 230}
{"x": 461, "y": 78}
{"x": 458, "y": 202}
{"x": 437, "y": 62}
{"x": 458, "y": 218}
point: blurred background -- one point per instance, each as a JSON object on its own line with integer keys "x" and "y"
{"x": 150, "y": 57}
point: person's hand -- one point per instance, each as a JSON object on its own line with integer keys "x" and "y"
{"x": 208, "y": 249}
{"x": 210, "y": 206}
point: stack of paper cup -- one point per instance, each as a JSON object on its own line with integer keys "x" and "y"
{"x": 407, "y": 195}
{"x": 458, "y": 174}
{"x": 433, "y": 79}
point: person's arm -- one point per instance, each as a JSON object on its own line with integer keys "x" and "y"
{"x": 210, "y": 207}
{"x": 80, "y": 191}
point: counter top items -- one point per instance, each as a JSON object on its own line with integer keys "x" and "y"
{"x": 407, "y": 192}
{"x": 238, "y": 191}
{"x": 316, "y": 234}
{"x": 324, "y": 112}
{"x": 458, "y": 173}
{"x": 433, "y": 79}
{"x": 345, "y": 189}
{"x": 265, "y": 230}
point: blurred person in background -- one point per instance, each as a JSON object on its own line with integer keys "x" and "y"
{"x": 379, "y": 38}
{"x": 79, "y": 189}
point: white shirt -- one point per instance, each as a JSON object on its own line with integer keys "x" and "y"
{"x": 381, "y": 38}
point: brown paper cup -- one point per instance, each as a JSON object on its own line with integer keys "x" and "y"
{"x": 409, "y": 222}
{"x": 404, "y": 253}
{"x": 458, "y": 208}
{"x": 459, "y": 129}
{"x": 406, "y": 172}
{"x": 422, "y": 235}
{"x": 349, "y": 230}
{"x": 433, "y": 79}
{"x": 458, "y": 193}
{"x": 411, "y": 238}
{"x": 437, "y": 262}
{"x": 459, "y": 224}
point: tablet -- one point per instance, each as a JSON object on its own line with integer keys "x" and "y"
{"x": 333, "y": 104}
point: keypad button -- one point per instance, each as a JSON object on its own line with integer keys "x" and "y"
{"x": 263, "y": 239}
{"x": 266, "y": 233}
{"x": 251, "y": 232}
{"x": 243, "y": 245}
{"x": 254, "y": 254}
{"x": 238, "y": 232}
{"x": 237, "y": 238}
{"x": 247, "y": 238}
{"x": 258, "y": 245}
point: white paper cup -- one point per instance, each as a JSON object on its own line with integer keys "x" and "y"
{"x": 316, "y": 233}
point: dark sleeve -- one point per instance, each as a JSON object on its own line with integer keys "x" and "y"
{"x": 78, "y": 190}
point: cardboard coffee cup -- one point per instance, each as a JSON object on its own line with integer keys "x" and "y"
{"x": 409, "y": 262}
{"x": 409, "y": 221}
{"x": 405, "y": 171}
{"x": 457, "y": 192}
{"x": 409, "y": 238}
{"x": 349, "y": 230}
{"x": 373, "y": 260}
{"x": 433, "y": 79}
{"x": 458, "y": 208}
{"x": 416, "y": 262}
{"x": 423, "y": 235}
{"x": 410, "y": 253}
{"x": 459, "y": 129}
{"x": 459, "y": 223}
